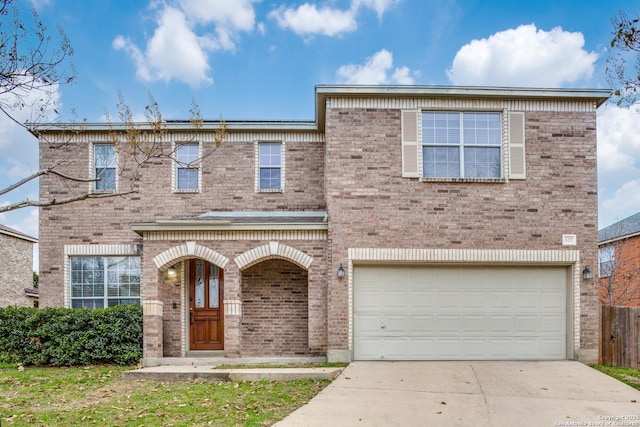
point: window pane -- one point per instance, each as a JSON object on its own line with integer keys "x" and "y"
{"x": 187, "y": 154}
{"x": 482, "y": 128}
{"x": 105, "y": 156}
{"x": 440, "y": 128}
{"x": 107, "y": 179}
{"x": 187, "y": 179}
{"x": 270, "y": 155}
{"x": 270, "y": 179}
{"x": 443, "y": 162}
{"x": 105, "y": 166}
{"x": 482, "y": 162}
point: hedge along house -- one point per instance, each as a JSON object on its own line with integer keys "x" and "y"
{"x": 403, "y": 223}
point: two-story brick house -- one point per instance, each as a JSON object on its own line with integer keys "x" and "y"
{"x": 403, "y": 223}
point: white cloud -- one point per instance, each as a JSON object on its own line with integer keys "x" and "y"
{"x": 624, "y": 202}
{"x": 173, "y": 52}
{"x": 307, "y": 19}
{"x": 379, "y": 6}
{"x": 618, "y": 139}
{"x": 524, "y": 56}
{"x": 178, "y": 49}
{"x": 618, "y": 162}
{"x": 375, "y": 71}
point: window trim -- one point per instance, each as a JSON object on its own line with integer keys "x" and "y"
{"x": 93, "y": 167}
{"x": 197, "y": 164}
{"x": 258, "y": 167}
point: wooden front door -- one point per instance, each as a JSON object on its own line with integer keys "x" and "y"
{"x": 206, "y": 320}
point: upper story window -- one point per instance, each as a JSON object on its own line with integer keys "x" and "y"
{"x": 187, "y": 167}
{"x": 270, "y": 166}
{"x": 461, "y": 145}
{"x": 104, "y": 161}
{"x": 98, "y": 282}
{"x": 606, "y": 257}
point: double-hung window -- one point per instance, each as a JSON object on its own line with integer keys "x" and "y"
{"x": 98, "y": 282}
{"x": 270, "y": 166}
{"x": 187, "y": 170}
{"x": 461, "y": 145}
{"x": 104, "y": 159}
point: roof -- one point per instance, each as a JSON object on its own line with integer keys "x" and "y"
{"x": 8, "y": 231}
{"x": 244, "y": 220}
{"x": 324, "y": 92}
{"x": 628, "y": 227}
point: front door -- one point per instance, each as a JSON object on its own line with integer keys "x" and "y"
{"x": 206, "y": 322}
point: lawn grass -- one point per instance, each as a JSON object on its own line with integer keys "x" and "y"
{"x": 626, "y": 375}
{"x": 99, "y": 396}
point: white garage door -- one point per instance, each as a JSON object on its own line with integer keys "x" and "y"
{"x": 459, "y": 313}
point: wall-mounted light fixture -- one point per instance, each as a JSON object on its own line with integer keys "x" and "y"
{"x": 586, "y": 273}
{"x": 171, "y": 271}
{"x": 341, "y": 272}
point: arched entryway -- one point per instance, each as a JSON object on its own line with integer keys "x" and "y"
{"x": 275, "y": 320}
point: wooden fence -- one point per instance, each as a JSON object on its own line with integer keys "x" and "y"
{"x": 619, "y": 336}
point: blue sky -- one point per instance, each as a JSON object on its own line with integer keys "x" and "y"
{"x": 247, "y": 59}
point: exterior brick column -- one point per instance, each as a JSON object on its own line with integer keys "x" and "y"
{"x": 232, "y": 311}
{"x": 152, "y": 331}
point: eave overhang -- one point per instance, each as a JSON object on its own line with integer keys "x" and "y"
{"x": 239, "y": 221}
{"x": 324, "y": 92}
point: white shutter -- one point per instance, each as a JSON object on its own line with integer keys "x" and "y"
{"x": 410, "y": 143}
{"x": 517, "y": 160}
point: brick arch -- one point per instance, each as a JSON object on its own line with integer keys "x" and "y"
{"x": 189, "y": 250}
{"x": 270, "y": 251}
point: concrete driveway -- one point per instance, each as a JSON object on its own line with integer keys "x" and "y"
{"x": 563, "y": 393}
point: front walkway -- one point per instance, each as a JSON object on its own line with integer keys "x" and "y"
{"x": 533, "y": 394}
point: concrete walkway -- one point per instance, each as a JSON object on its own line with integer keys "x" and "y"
{"x": 562, "y": 393}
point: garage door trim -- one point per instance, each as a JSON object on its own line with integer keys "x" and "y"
{"x": 507, "y": 258}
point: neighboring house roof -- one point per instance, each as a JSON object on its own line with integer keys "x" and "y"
{"x": 628, "y": 227}
{"x": 8, "y": 231}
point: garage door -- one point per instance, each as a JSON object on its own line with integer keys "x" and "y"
{"x": 459, "y": 313}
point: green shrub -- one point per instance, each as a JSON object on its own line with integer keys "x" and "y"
{"x": 71, "y": 337}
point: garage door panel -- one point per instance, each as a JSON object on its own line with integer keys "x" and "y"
{"x": 367, "y": 325}
{"x": 552, "y": 324}
{"x": 422, "y": 325}
{"x": 395, "y": 300}
{"x": 457, "y": 313}
{"x": 501, "y": 300}
{"x": 422, "y": 300}
{"x": 368, "y": 300}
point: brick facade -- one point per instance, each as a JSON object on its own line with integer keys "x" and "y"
{"x": 16, "y": 251}
{"x": 281, "y": 293}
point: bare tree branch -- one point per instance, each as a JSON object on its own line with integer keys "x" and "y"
{"x": 49, "y": 170}
{"x": 54, "y": 202}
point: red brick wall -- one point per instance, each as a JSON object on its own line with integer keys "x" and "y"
{"x": 625, "y": 280}
{"x": 274, "y": 310}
